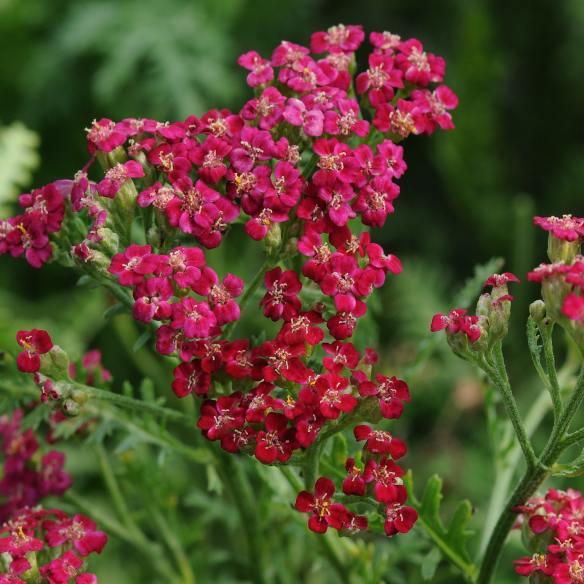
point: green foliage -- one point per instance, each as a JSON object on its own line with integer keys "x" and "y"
{"x": 166, "y": 58}
{"x": 18, "y": 159}
{"x": 452, "y": 538}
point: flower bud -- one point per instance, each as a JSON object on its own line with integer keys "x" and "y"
{"x": 70, "y": 408}
{"x": 537, "y": 310}
{"x": 116, "y": 156}
{"x": 153, "y": 236}
{"x": 368, "y": 410}
{"x": 79, "y": 396}
{"x": 484, "y": 305}
{"x": 560, "y": 250}
{"x": 109, "y": 240}
{"x": 554, "y": 290}
{"x": 55, "y": 364}
{"x": 273, "y": 239}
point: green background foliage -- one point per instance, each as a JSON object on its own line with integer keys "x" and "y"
{"x": 468, "y": 196}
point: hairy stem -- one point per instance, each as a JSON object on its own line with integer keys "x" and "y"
{"x": 550, "y": 363}
{"x": 115, "y": 492}
{"x": 498, "y": 375}
{"x": 532, "y": 478}
{"x": 175, "y": 546}
{"x": 505, "y": 474}
{"x": 151, "y": 551}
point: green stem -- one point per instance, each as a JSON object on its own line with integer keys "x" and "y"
{"x": 532, "y": 478}
{"x": 311, "y": 465}
{"x": 235, "y": 478}
{"x": 310, "y": 166}
{"x": 197, "y": 455}
{"x": 533, "y": 334}
{"x": 174, "y": 545}
{"x": 292, "y": 479}
{"x": 149, "y": 364}
{"x": 550, "y": 363}
{"x": 115, "y": 492}
{"x": 573, "y": 438}
{"x": 332, "y": 553}
{"x": 149, "y": 550}
{"x": 132, "y": 403}
{"x": 498, "y": 375}
{"x": 500, "y": 490}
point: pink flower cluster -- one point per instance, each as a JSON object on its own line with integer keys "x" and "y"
{"x": 307, "y": 166}
{"x": 566, "y": 227}
{"x": 554, "y": 525}
{"x": 27, "y": 476}
{"x": 50, "y": 541}
{"x": 563, "y": 281}
{"x": 202, "y": 173}
{"x": 28, "y": 233}
{"x": 457, "y": 322}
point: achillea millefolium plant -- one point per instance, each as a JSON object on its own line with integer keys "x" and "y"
{"x": 305, "y": 169}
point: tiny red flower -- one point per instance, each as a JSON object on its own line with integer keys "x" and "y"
{"x": 399, "y": 518}
{"x": 276, "y": 441}
{"x": 323, "y": 513}
{"x": 380, "y": 441}
{"x": 35, "y": 342}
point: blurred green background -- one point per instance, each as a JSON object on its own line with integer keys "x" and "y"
{"x": 468, "y": 196}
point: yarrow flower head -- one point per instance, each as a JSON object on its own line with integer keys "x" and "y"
{"x": 566, "y": 227}
{"x": 28, "y": 475}
{"x": 553, "y": 530}
{"x": 304, "y": 169}
{"x": 52, "y": 543}
{"x": 562, "y": 281}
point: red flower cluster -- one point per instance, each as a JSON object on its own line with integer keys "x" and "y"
{"x": 566, "y": 228}
{"x": 490, "y": 322}
{"x": 554, "y": 526}
{"x": 457, "y": 321}
{"x": 50, "y": 541}
{"x": 563, "y": 280}
{"x": 305, "y": 165}
{"x": 27, "y": 477}
{"x": 200, "y": 174}
{"x": 28, "y": 233}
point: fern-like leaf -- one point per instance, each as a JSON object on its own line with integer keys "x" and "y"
{"x": 18, "y": 159}
{"x": 452, "y": 538}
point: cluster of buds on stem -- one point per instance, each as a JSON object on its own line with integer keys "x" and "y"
{"x": 469, "y": 335}
{"x": 562, "y": 291}
{"x": 307, "y": 166}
